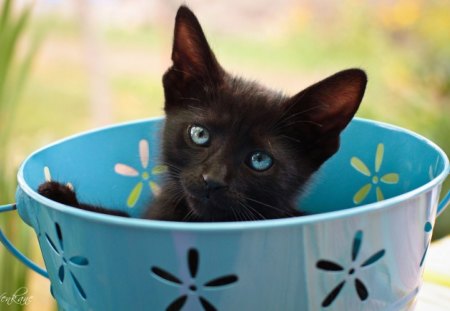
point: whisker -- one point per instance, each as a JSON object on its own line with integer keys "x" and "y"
{"x": 299, "y": 113}
{"x": 252, "y": 212}
{"x": 283, "y": 125}
{"x": 291, "y": 138}
{"x": 270, "y": 206}
{"x": 198, "y": 109}
{"x": 189, "y": 216}
{"x": 170, "y": 165}
{"x": 245, "y": 212}
{"x": 173, "y": 175}
{"x": 255, "y": 211}
{"x": 191, "y": 98}
{"x": 234, "y": 213}
{"x": 281, "y": 122}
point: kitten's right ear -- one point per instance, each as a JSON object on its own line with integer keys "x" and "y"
{"x": 191, "y": 55}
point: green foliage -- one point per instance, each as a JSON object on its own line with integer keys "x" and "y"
{"x": 13, "y": 75}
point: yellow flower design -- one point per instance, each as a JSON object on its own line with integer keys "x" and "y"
{"x": 375, "y": 179}
{"x": 144, "y": 175}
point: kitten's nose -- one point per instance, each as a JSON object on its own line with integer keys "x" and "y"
{"x": 213, "y": 184}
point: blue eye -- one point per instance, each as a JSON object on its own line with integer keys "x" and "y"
{"x": 199, "y": 135}
{"x": 260, "y": 161}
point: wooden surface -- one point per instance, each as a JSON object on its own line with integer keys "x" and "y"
{"x": 435, "y": 292}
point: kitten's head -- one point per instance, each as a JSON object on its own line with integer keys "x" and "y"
{"x": 237, "y": 150}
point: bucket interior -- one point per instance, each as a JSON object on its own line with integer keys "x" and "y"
{"x": 118, "y": 167}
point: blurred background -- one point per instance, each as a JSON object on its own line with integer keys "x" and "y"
{"x": 69, "y": 66}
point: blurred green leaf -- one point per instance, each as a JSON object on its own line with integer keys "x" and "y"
{"x": 14, "y": 71}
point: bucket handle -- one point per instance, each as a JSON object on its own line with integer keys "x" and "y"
{"x": 15, "y": 251}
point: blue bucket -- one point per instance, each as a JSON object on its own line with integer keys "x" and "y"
{"x": 373, "y": 206}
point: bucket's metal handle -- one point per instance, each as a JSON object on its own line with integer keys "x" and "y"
{"x": 14, "y": 250}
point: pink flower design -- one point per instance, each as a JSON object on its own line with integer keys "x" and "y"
{"x": 143, "y": 175}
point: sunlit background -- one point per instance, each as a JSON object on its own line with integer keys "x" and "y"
{"x": 80, "y": 64}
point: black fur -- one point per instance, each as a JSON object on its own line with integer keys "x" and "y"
{"x": 64, "y": 194}
{"x": 299, "y": 132}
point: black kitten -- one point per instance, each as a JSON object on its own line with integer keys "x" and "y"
{"x": 235, "y": 149}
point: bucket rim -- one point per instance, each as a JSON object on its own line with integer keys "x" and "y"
{"x": 235, "y": 225}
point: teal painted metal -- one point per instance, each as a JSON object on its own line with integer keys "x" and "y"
{"x": 8, "y": 207}
{"x": 372, "y": 209}
{"x": 10, "y": 247}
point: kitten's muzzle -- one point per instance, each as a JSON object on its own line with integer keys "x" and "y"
{"x": 213, "y": 185}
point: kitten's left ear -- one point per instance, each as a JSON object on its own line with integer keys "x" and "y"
{"x": 320, "y": 112}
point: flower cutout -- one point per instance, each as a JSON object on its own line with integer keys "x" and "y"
{"x": 48, "y": 177}
{"x": 360, "y": 166}
{"x": 190, "y": 287}
{"x": 352, "y": 271}
{"x": 67, "y": 263}
{"x": 144, "y": 175}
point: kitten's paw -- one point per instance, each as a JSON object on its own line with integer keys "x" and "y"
{"x": 58, "y": 192}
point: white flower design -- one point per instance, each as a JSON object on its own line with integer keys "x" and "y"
{"x": 144, "y": 175}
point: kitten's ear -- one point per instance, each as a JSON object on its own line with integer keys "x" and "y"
{"x": 191, "y": 54}
{"x": 320, "y": 112}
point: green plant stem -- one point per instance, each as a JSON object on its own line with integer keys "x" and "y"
{"x": 14, "y": 71}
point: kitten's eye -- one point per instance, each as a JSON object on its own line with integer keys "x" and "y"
{"x": 199, "y": 135}
{"x": 260, "y": 161}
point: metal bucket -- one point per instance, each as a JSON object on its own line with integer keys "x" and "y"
{"x": 373, "y": 206}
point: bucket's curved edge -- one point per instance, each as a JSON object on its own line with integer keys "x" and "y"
{"x": 249, "y": 225}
